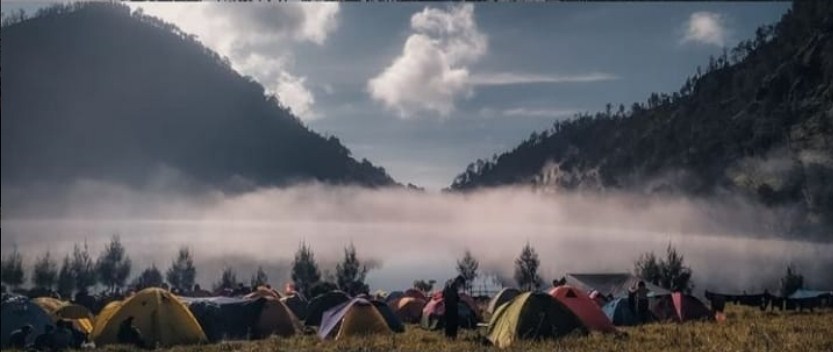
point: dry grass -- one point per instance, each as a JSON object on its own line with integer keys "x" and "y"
{"x": 746, "y": 329}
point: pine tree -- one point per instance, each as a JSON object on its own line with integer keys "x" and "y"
{"x": 259, "y": 278}
{"x": 228, "y": 279}
{"x": 45, "y": 272}
{"x": 11, "y": 269}
{"x": 182, "y": 273}
{"x": 791, "y": 282}
{"x": 350, "y": 273}
{"x": 467, "y": 268}
{"x": 305, "y": 272}
{"x": 113, "y": 265}
{"x": 83, "y": 268}
{"x": 526, "y": 269}
{"x": 66, "y": 280}
{"x": 150, "y": 277}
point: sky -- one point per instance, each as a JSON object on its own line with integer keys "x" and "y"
{"x": 424, "y": 89}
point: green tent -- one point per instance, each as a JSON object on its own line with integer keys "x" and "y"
{"x": 531, "y": 315}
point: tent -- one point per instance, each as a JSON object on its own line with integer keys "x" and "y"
{"x": 505, "y": 295}
{"x": 620, "y": 313}
{"x": 321, "y": 303}
{"x": 583, "y": 307}
{"x": 357, "y": 317}
{"x": 263, "y": 291}
{"x": 81, "y": 317}
{"x": 158, "y": 314}
{"x": 17, "y": 311}
{"x": 531, "y": 315}
{"x": 434, "y": 312}
{"x": 408, "y": 309}
{"x": 105, "y": 314}
{"x": 393, "y": 321}
{"x": 276, "y": 318}
{"x": 393, "y": 296}
{"x": 679, "y": 307}
{"x": 297, "y": 304}
{"x": 412, "y": 292}
{"x": 224, "y": 318}
{"x": 610, "y": 284}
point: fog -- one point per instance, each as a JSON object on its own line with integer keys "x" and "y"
{"x": 729, "y": 244}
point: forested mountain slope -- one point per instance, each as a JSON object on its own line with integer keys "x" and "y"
{"x": 758, "y": 123}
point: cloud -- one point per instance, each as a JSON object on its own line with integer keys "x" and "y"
{"x": 552, "y": 112}
{"x": 433, "y": 69}
{"x": 707, "y": 28}
{"x": 507, "y": 78}
{"x": 257, "y": 39}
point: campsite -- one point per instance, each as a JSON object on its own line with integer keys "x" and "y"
{"x": 565, "y": 317}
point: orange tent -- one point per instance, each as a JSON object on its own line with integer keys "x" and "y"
{"x": 583, "y": 307}
{"x": 412, "y": 292}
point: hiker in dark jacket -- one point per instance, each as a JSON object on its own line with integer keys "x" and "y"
{"x": 451, "y": 299}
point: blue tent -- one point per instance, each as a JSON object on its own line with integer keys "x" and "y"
{"x": 18, "y": 311}
{"x": 805, "y": 294}
{"x": 620, "y": 313}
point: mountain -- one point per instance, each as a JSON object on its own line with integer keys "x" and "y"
{"x": 758, "y": 123}
{"x": 94, "y": 91}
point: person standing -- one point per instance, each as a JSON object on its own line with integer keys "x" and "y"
{"x": 451, "y": 300}
{"x": 641, "y": 295}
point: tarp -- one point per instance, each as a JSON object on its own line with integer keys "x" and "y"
{"x": 18, "y": 311}
{"x": 505, "y": 295}
{"x": 610, "y": 284}
{"x": 620, "y": 313}
{"x": 809, "y": 294}
{"x": 159, "y": 315}
{"x": 583, "y": 307}
{"x": 357, "y": 317}
{"x": 531, "y": 315}
{"x": 322, "y": 303}
{"x": 225, "y": 318}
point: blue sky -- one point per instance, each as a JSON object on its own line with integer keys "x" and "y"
{"x": 424, "y": 89}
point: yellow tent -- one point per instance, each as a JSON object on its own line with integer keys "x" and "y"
{"x": 276, "y": 318}
{"x": 80, "y": 316}
{"x": 159, "y": 315}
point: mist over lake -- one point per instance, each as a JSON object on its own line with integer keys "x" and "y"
{"x": 408, "y": 235}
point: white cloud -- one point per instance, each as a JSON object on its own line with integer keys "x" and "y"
{"x": 432, "y": 71}
{"x": 257, "y": 39}
{"x": 707, "y": 28}
{"x": 507, "y": 78}
{"x": 546, "y": 112}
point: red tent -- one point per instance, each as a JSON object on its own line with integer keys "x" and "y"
{"x": 679, "y": 307}
{"x": 583, "y": 307}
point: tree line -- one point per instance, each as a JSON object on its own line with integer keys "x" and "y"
{"x": 78, "y": 272}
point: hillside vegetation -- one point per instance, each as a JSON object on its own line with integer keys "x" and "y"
{"x": 91, "y": 90}
{"x": 757, "y": 123}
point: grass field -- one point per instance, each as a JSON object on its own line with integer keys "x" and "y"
{"x": 746, "y": 329}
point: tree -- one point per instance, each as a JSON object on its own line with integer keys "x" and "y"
{"x": 467, "y": 268}
{"x": 66, "y": 281}
{"x": 350, "y": 273}
{"x": 259, "y": 278}
{"x": 182, "y": 273}
{"x": 424, "y": 286}
{"x": 113, "y": 265}
{"x": 791, "y": 282}
{"x": 11, "y": 269}
{"x": 669, "y": 273}
{"x": 45, "y": 272}
{"x": 228, "y": 279}
{"x": 526, "y": 269}
{"x": 305, "y": 272}
{"x": 83, "y": 268}
{"x": 150, "y": 277}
